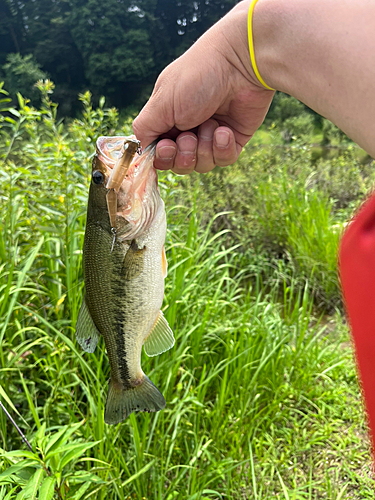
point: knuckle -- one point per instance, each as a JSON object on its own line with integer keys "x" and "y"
{"x": 204, "y": 154}
{"x": 137, "y": 126}
{"x": 185, "y": 161}
{"x": 225, "y": 160}
{"x": 205, "y": 161}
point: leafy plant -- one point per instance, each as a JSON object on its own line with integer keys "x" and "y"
{"x": 261, "y": 388}
{"x": 298, "y": 127}
{"x": 53, "y": 470}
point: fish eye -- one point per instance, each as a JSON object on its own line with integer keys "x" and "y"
{"x": 97, "y": 177}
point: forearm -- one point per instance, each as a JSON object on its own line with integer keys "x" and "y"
{"x": 322, "y": 53}
{"x": 319, "y": 51}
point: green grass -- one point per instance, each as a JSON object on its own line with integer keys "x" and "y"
{"x": 261, "y": 389}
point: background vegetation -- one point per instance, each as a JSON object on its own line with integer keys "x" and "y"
{"x": 261, "y": 389}
{"x": 115, "y": 47}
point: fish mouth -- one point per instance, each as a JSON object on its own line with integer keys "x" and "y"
{"x": 110, "y": 149}
{"x": 138, "y": 197}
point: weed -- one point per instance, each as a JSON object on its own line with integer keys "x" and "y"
{"x": 262, "y": 397}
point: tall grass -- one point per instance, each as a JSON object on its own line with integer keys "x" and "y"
{"x": 262, "y": 399}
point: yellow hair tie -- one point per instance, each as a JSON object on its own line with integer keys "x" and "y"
{"x": 251, "y": 44}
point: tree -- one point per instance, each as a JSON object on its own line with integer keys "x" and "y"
{"x": 113, "y": 47}
{"x": 11, "y": 29}
{"x": 20, "y": 75}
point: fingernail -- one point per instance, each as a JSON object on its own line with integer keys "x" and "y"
{"x": 166, "y": 152}
{"x": 187, "y": 144}
{"x": 222, "y": 138}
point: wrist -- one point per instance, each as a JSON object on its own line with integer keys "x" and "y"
{"x": 267, "y": 39}
{"x": 265, "y": 24}
{"x": 229, "y": 36}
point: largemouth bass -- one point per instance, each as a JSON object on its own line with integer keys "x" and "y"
{"x": 124, "y": 271}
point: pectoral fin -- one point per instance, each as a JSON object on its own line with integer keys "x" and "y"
{"x": 160, "y": 339}
{"x": 87, "y": 334}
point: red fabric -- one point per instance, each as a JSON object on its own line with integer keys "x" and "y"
{"x": 357, "y": 273}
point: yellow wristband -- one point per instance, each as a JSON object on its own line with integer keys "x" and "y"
{"x": 251, "y": 44}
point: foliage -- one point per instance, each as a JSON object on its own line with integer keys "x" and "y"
{"x": 261, "y": 390}
{"x": 4, "y": 102}
{"x": 285, "y": 203}
{"x": 94, "y": 122}
{"x": 116, "y": 47}
{"x": 21, "y": 74}
{"x": 299, "y": 127}
{"x": 284, "y": 107}
{"x": 295, "y": 121}
{"x": 113, "y": 41}
{"x": 54, "y": 468}
{"x": 331, "y": 133}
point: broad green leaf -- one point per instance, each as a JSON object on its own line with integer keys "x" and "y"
{"x": 30, "y": 401}
{"x": 91, "y": 459}
{"x": 74, "y": 454}
{"x": 57, "y": 439}
{"x": 18, "y": 478}
{"x": 25, "y": 474}
{"x": 21, "y": 453}
{"x": 32, "y": 486}
{"x": 66, "y": 448}
{"x": 39, "y": 436}
{"x": 18, "y": 466}
{"x": 21, "y": 100}
{"x": 60, "y": 437}
{"x": 47, "y": 489}
{"x": 10, "y": 120}
{"x": 82, "y": 490}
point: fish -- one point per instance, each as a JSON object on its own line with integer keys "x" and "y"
{"x": 125, "y": 267}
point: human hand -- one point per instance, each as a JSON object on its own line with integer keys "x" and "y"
{"x": 207, "y": 104}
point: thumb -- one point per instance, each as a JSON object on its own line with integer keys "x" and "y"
{"x": 186, "y": 94}
{"x": 155, "y": 118}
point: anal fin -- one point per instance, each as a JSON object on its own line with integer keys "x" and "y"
{"x": 160, "y": 338}
{"x": 87, "y": 334}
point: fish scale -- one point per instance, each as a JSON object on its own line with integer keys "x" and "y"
{"x": 124, "y": 282}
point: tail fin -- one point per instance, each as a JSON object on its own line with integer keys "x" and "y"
{"x": 122, "y": 402}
